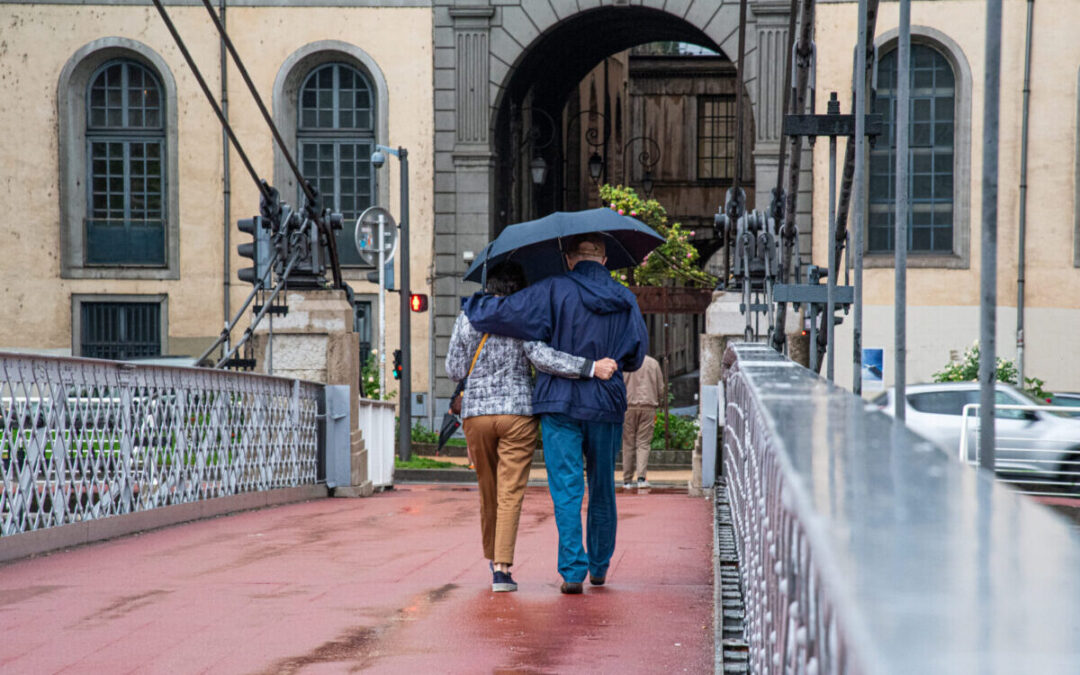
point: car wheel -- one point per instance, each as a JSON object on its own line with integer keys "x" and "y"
{"x": 1068, "y": 473}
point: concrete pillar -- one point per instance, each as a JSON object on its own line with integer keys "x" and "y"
{"x": 723, "y": 324}
{"x": 315, "y": 341}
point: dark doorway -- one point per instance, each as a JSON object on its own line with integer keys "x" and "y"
{"x": 544, "y": 120}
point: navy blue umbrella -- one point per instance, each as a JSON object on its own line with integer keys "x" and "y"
{"x": 537, "y": 245}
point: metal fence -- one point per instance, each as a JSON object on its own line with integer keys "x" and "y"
{"x": 864, "y": 548}
{"x": 83, "y": 439}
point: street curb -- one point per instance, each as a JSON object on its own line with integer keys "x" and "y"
{"x": 434, "y": 476}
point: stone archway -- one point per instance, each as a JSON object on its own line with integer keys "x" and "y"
{"x": 488, "y": 57}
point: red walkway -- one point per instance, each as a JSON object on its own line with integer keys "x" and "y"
{"x": 395, "y": 583}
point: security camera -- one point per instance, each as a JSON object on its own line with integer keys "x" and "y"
{"x": 378, "y": 159}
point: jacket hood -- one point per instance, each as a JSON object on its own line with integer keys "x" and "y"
{"x": 599, "y": 292}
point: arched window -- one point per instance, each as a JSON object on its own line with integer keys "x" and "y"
{"x": 119, "y": 201}
{"x": 125, "y": 141}
{"x": 931, "y": 160}
{"x": 335, "y": 139}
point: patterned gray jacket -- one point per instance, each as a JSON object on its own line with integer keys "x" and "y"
{"x": 500, "y": 383}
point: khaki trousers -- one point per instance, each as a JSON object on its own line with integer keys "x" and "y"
{"x": 636, "y": 438}
{"x": 502, "y": 447}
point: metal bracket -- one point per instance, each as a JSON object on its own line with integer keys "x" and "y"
{"x": 813, "y": 293}
{"x": 830, "y": 125}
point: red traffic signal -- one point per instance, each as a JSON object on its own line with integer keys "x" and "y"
{"x": 418, "y": 302}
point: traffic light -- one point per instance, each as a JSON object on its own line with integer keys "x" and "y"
{"x": 397, "y": 364}
{"x": 258, "y": 249}
{"x": 418, "y": 302}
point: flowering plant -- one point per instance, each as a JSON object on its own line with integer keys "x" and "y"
{"x": 674, "y": 259}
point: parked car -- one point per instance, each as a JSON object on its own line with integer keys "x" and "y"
{"x": 1038, "y": 448}
{"x": 1070, "y": 399}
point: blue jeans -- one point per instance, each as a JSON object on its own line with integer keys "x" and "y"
{"x": 566, "y": 443}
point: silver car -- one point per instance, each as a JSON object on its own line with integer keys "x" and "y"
{"x": 1038, "y": 449}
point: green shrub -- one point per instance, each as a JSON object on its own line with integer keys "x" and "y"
{"x": 683, "y": 430}
{"x": 423, "y": 463}
{"x": 967, "y": 370}
{"x": 421, "y": 434}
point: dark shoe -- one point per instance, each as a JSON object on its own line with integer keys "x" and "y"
{"x": 571, "y": 588}
{"x": 502, "y": 582}
{"x": 597, "y": 581}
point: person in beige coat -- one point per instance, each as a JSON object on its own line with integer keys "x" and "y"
{"x": 645, "y": 391}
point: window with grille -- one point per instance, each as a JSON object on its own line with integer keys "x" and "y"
{"x": 120, "y": 330}
{"x": 336, "y": 137}
{"x": 716, "y": 137}
{"x": 931, "y": 120}
{"x": 125, "y": 136}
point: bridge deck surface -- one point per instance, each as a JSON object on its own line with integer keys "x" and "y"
{"x": 394, "y": 583}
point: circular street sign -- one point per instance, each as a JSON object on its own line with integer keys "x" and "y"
{"x": 367, "y": 232}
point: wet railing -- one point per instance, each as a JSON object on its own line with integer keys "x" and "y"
{"x": 865, "y": 549}
{"x": 82, "y": 439}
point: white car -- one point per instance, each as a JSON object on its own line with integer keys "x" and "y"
{"x": 1038, "y": 449}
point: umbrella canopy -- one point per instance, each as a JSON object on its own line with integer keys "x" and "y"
{"x": 536, "y": 245}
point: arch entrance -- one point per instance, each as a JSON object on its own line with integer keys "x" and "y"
{"x": 507, "y": 94}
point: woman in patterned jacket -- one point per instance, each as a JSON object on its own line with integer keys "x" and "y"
{"x": 499, "y": 426}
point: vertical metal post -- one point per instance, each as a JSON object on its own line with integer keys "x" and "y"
{"x": 431, "y": 351}
{"x": 988, "y": 263}
{"x": 226, "y": 182}
{"x": 127, "y": 423}
{"x": 811, "y": 309}
{"x": 382, "y": 305}
{"x": 859, "y": 200}
{"x": 834, "y": 261}
{"x": 270, "y": 347}
{"x": 667, "y": 370}
{"x": 1021, "y": 256}
{"x": 405, "y": 435}
{"x": 903, "y": 106}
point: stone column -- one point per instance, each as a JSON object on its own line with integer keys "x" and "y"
{"x": 315, "y": 341}
{"x": 463, "y": 163}
{"x": 771, "y": 28}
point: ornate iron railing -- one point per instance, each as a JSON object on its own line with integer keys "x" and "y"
{"x": 863, "y": 548}
{"x": 82, "y": 439}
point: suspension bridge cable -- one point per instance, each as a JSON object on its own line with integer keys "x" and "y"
{"x": 309, "y": 192}
{"x": 739, "y": 73}
{"x": 304, "y": 184}
{"x": 787, "y": 99}
{"x": 848, "y": 176}
{"x": 263, "y": 188}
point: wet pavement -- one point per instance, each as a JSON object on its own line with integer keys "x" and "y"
{"x": 395, "y": 583}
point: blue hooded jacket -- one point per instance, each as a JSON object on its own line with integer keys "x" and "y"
{"x": 583, "y": 312}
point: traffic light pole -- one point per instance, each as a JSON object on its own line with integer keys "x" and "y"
{"x": 405, "y": 435}
{"x": 405, "y": 396}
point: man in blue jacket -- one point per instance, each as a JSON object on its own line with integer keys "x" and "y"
{"x": 586, "y": 313}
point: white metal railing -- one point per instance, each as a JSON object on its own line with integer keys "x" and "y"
{"x": 376, "y": 423}
{"x": 82, "y": 439}
{"x": 1037, "y": 466}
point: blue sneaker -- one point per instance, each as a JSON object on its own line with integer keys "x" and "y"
{"x": 502, "y": 582}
